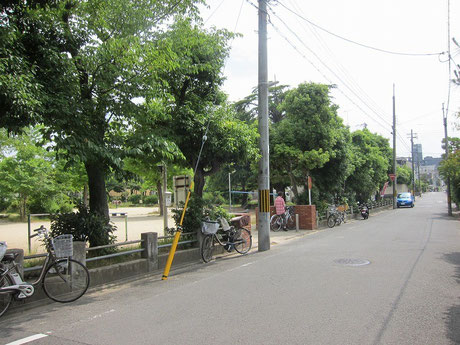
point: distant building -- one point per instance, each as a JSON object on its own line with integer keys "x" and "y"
{"x": 431, "y": 161}
{"x": 418, "y": 155}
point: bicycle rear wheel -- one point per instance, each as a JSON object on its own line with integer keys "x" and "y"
{"x": 66, "y": 280}
{"x": 276, "y": 222}
{"x": 243, "y": 242}
{"x": 331, "y": 221}
{"x": 207, "y": 248}
{"x": 290, "y": 223}
{"x": 5, "y": 297}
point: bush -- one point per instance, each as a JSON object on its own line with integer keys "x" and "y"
{"x": 197, "y": 210}
{"x": 214, "y": 198}
{"x": 84, "y": 226}
{"x": 135, "y": 198}
{"x": 151, "y": 200}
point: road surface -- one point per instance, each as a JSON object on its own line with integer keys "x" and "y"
{"x": 391, "y": 279}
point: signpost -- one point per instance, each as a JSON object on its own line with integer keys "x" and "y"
{"x": 310, "y": 184}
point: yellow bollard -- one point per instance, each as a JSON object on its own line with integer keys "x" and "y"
{"x": 176, "y": 238}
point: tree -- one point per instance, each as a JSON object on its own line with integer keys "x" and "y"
{"x": 450, "y": 167}
{"x": 372, "y": 157}
{"x": 30, "y": 174}
{"x": 84, "y": 62}
{"x": 197, "y": 105}
{"x": 310, "y": 136}
{"x": 404, "y": 175}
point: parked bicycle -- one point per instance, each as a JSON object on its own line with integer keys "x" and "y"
{"x": 337, "y": 216}
{"x": 221, "y": 233}
{"x": 279, "y": 221}
{"x": 62, "y": 278}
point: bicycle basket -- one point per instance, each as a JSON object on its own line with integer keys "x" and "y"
{"x": 63, "y": 246}
{"x": 209, "y": 227}
{"x": 2, "y": 249}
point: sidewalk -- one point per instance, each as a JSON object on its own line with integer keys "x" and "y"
{"x": 280, "y": 237}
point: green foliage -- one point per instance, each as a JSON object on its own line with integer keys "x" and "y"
{"x": 215, "y": 198}
{"x": 84, "y": 226}
{"x": 310, "y": 140}
{"x": 450, "y": 167}
{"x": 197, "y": 210}
{"x": 31, "y": 176}
{"x": 371, "y": 158}
{"x": 151, "y": 199}
{"x": 404, "y": 175}
{"x": 135, "y": 198}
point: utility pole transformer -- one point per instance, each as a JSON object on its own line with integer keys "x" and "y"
{"x": 394, "y": 149}
{"x": 264, "y": 169}
{"x": 446, "y": 138}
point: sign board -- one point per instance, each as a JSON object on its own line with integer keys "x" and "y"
{"x": 310, "y": 184}
{"x": 181, "y": 185}
{"x": 392, "y": 176}
{"x": 382, "y": 193}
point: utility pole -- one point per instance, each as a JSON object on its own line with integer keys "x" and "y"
{"x": 264, "y": 169}
{"x": 165, "y": 189}
{"x": 230, "y": 191}
{"x": 412, "y": 136}
{"x": 394, "y": 149}
{"x": 446, "y": 138}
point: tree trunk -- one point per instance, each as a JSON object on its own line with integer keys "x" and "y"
{"x": 97, "y": 193}
{"x": 294, "y": 186}
{"x": 160, "y": 196}
{"x": 86, "y": 195}
{"x": 199, "y": 183}
{"x": 23, "y": 207}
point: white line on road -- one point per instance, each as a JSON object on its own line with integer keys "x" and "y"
{"x": 26, "y": 340}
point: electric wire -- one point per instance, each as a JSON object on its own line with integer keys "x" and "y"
{"x": 354, "y": 42}
{"x": 340, "y": 67}
{"x": 327, "y": 67}
{"x": 213, "y": 12}
{"x": 319, "y": 71}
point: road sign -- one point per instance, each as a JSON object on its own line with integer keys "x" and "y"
{"x": 310, "y": 184}
{"x": 392, "y": 177}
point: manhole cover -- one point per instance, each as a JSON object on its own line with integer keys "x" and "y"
{"x": 352, "y": 262}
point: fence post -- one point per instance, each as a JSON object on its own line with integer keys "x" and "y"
{"x": 79, "y": 251}
{"x": 150, "y": 246}
{"x": 28, "y": 232}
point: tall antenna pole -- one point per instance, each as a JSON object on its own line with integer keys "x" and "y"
{"x": 394, "y": 148}
{"x": 264, "y": 169}
{"x": 446, "y": 138}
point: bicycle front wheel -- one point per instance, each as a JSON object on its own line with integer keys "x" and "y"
{"x": 5, "y": 297}
{"x": 276, "y": 222}
{"x": 207, "y": 248}
{"x": 243, "y": 242}
{"x": 66, "y": 280}
{"x": 331, "y": 221}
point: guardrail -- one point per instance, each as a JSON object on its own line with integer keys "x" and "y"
{"x": 148, "y": 241}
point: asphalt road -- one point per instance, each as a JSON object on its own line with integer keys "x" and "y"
{"x": 391, "y": 279}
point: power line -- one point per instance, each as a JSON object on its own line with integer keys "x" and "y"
{"x": 327, "y": 67}
{"x": 354, "y": 42}
{"x": 319, "y": 71}
{"x": 340, "y": 67}
{"x": 215, "y": 10}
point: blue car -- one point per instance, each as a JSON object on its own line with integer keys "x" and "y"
{"x": 405, "y": 199}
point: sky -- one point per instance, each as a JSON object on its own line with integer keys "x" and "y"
{"x": 300, "y": 49}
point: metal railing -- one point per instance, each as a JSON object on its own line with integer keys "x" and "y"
{"x": 118, "y": 253}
